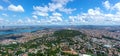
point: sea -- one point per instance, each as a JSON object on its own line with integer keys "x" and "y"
{"x": 7, "y": 30}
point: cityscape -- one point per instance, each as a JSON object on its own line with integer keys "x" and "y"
{"x": 60, "y": 28}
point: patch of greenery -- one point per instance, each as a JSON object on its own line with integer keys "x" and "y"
{"x": 18, "y": 52}
{"x": 66, "y": 33}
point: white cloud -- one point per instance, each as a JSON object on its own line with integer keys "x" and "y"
{"x": 67, "y": 10}
{"x": 39, "y": 13}
{"x": 32, "y": 21}
{"x": 35, "y": 17}
{"x": 98, "y": 16}
{"x": 107, "y": 5}
{"x": 7, "y": 1}
{"x": 1, "y": 8}
{"x": 72, "y": 18}
{"x": 55, "y": 19}
{"x": 52, "y": 14}
{"x": 53, "y": 8}
{"x": 26, "y": 21}
{"x": 20, "y": 21}
{"x": 112, "y": 7}
{"x": 39, "y": 8}
{"x": 95, "y": 16}
{"x": 94, "y": 12}
{"x": 56, "y": 14}
{"x": 60, "y": 5}
{"x": 117, "y": 6}
{"x": 92, "y": 16}
{"x": 4, "y": 14}
{"x": 55, "y": 5}
{"x": 76, "y": 19}
{"x": 14, "y": 8}
{"x": 29, "y": 20}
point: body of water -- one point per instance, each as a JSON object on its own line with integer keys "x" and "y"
{"x": 19, "y": 30}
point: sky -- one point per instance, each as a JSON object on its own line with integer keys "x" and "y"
{"x": 60, "y": 12}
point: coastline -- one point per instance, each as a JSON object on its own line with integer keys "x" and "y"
{"x": 23, "y": 37}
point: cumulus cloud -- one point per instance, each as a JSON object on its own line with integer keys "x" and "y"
{"x": 50, "y": 11}
{"x": 76, "y": 19}
{"x": 32, "y": 21}
{"x": 60, "y": 5}
{"x": 14, "y": 8}
{"x": 56, "y": 17}
{"x": 117, "y": 6}
{"x": 112, "y": 7}
{"x": 72, "y": 18}
{"x": 91, "y": 16}
{"x": 1, "y": 8}
{"x": 55, "y": 5}
{"x": 107, "y": 4}
{"x": 98, "y": 16}
{"x": 95, "y": 11}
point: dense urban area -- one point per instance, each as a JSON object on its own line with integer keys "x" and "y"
{"x": 63, "y": 42}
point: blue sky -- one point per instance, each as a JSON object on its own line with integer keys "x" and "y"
{"x": 59, "y": 12}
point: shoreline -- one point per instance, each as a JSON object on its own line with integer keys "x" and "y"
{"x": 23, "y": 37}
